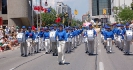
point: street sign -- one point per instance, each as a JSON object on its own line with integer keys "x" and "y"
{"x": 75, "y": 12}
{"x": 104, "y": 11}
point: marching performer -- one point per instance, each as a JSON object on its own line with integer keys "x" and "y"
{"x": 30, "y": 41}
{"x": 86, "y": 40}
{"x": 41, "y": 33}
{"x": 120, "y": 37}
{"x": 61, "y": 38}
{"x": 21, "y": 37}
{"x": 53, "y": 40}
{"x": 91, "y": 34}
{"x": 47, "y": 40}
{"x": 109, "y": 39}
{"x": 69, "y": 40}
{"x": 128, "y": 39}
{"x": 36, "y": 41}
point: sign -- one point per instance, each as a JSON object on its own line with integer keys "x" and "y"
{"x": 104, "y": 11}
{"x": 75, "y": 12}
{"x": 1, "y": 21}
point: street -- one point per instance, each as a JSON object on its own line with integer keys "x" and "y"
{"x": 77, "y": 60}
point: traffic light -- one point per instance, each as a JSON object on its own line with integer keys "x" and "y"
{"x": 104, "y": 11}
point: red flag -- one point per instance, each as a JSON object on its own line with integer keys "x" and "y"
{"x": 45, "y": 10}
{"x": 33, "y": 28}
{"x": 35, "y": 8}
{"x": 58, "y": 20}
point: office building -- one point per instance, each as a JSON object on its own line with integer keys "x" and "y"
{"x": 96, "y": 9}
{"x": 16, "y": 12}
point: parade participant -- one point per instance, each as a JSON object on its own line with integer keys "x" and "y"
{"x": 70, "y": 38}
{"x": 91, "y": 34}
{"x": 68, "y": 46}
{"x": 30, "y": 37}
{"x": 73, "y": 41}
{"x": 36, "y": 33}
{"x": 47, "y": 40}
{"x": 61, "y": 38}
{"x": 120, "y": 37}
{"x": 116, "y": 34}
{"x": 22, "y": 40}
{"x": 75, "y": 37}
{"x": 53, "y": 40}
{"x": 109, "y": 39}
{"x": 128, "y": 39}
{"x": 41, "y": 33}
{"x": 86, "y": 39}
{"x": 102, "y": 34}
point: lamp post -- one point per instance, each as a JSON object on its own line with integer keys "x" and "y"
{"x": 40, "y": 13}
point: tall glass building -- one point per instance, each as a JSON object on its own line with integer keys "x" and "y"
{"x": 99, "y": 5}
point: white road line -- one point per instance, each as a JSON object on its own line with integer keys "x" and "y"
{"x": 101, "y": 66}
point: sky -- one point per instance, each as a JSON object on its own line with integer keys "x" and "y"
{"x": 81, "y": 5}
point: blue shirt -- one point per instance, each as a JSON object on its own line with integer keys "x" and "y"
{"x": 61, "y": 35}
{"x": 46, "y": 35}
{"x": 30, "y": 34}
{"x": 109, "y": 34}
{"x": 41, "y": 34}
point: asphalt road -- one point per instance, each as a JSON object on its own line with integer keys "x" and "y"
{"x": 77, "y": 60}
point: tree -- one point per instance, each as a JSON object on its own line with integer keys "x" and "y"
{"x": 125, "y": 14}
{"x": 132, "y": 5}
{"x": 49, "y": 17}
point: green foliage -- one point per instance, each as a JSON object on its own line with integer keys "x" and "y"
{"x": 125, "y": 14}
{"x": 49, "y": 18}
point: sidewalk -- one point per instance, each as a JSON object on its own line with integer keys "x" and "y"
{"x": 15, "y": 48}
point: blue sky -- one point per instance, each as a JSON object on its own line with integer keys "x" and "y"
{"x": 81, "y": 5}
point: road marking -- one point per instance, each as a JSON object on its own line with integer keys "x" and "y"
{"x": 101, "y": 66}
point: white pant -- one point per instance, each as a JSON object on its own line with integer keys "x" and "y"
{"x": 91, "y": 47}
{"x": 127, "y": 46}
{"x": 120, "y": 42}
{"x": 61, "y": 51}
{"x": 102, "y": 38}
{"x": 73, "y": 42}
{"x": 68, "y": 46}
{"x": 30, "y": 46}
{"x": 23, "y": 48}
{"x": 36, "y": 46}
{"x": 41, "y": 46}
{"x": 109, "y": 45}
{"x": 47, "y": 45}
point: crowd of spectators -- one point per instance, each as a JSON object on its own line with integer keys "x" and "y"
{"x": 8, "y": 39}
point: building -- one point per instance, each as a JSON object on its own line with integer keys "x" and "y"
{"x": 96, "y": 9}
{"x": 84, "y": 17}
{"x": 16, "y": 12}
{"x": 122, "y": 3}
{"x": 61, "y": 8}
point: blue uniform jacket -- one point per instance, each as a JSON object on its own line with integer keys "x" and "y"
{"x": 36, "y": 34}
{"x": 109, "y": 34}
{"x": 30, "y": 34}
{"x": 41, "y": 34}
{"x": 61, "y": 35}
{"x": 95, "y": 33}
{"x": 46, "y": 35}
{"x": 120, "y": 32}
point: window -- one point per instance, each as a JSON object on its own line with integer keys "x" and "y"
{"x": 4, "y": 6}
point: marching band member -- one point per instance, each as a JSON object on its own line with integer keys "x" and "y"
{"x": 36, "y": 41}
{"x": 47, "y": 40}
{"x": 30, "y": 37}
{"x": 128, "y": 38}
{"x": 109, "y": 39}
{"x": 53, "y": 40}
{"x": 23, "y": 44}
{"x": 73, "y": 39}
{"x": 61, "y": 38}
{"x": 120, "y": 37}
{"x": 68, "y": 42}
{"x": 91, "y": 34}
{"x": 102, "y": 35}
{"x": 70, "y": 37}
{"x": 86, "y": 40}
{"x": 41, "y": 33}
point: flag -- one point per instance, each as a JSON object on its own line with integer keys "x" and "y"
{"x": 35, "y": 8}
{"x": 45, "y": 10}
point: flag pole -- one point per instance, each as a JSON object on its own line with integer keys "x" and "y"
{"x": 40, "y": 13}
{"x": 37, "y": 15}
